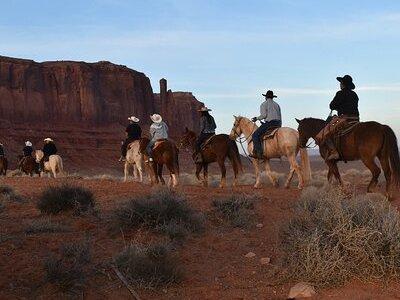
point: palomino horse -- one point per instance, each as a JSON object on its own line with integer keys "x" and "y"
{"x": 217, "y": 150}
{"x": 365, "y": 142}
{"x": 284, "y": 143}
{"x": 3, "y": 165}
{"x": 164, "y": 152}
{"x": 28, "y": 165}
{"x": 54, "y": 165}
{"x": 134, "y": 159}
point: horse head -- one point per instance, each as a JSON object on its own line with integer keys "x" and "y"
{"x": 188, "y": 139}
{"x": 309, "y": 128}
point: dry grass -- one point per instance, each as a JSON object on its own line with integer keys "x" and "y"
{"x": 68, "y": 270}
{"x": 149, "y": 266}
{"x": 237, "y": 209}
{"x": 45, "y": 225}
{"x": 7, "y": 193}
{"x": 57, "y": 199}
{"x": 333, "y": 238}
{"x": 162, "y": 210}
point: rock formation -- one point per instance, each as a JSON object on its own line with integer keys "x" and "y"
{"x": 83, "y": 106}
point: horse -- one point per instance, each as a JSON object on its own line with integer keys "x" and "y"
{"x": 285, "y": 142}
{"x": 166, "y": 153}
{"x": 3, "y": 165}
{"x": 366, "y": 141}
{"x": 134, "y": 159}
{"x": 28, "y": 165}
{"x": 217, "y": 150}
{"x": 54, "y": 165}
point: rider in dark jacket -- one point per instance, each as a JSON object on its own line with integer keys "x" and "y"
{"x": 133, "y": 133}
{"x": 207, "y": 130}
{"x": 28, "y": 149}
{"x": 345, "y": 103}
{"x": 49, "y": 148}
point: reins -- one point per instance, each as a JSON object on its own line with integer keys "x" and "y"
{"x": 241, "y": 141}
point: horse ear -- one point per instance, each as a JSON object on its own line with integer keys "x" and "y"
{"x": 186, "y": 130}
{"x": 298, "y": 121}
{"x": 235, "y": 117}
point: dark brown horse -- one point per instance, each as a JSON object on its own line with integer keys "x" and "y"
{"x": 217, "y": 150}
{"x": 166, "y": 153}
{"x": 3, "y": 165}
{"x": 28, "y": 165}
{"x": 366, "y": 141}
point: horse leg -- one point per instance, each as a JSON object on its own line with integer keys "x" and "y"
{"x": 140, "y": 173}
{"x": 289, "y": 178}
{"x": 172, "y": 174}
{"x": 221, "y": 164}
{"x": 126, "y": 170}
{"x": 205, "y": 175}
{"x": 294, "y": 165}
{"x": 198, "y": 170}
{"x": 375, "y": 170}
{"x": 268, "y": 172}
{"x": 335, "y": 171}
{"x": 257, "y": 173}
{"x": 159, "y": 173}
{"x": 388, "y": 173}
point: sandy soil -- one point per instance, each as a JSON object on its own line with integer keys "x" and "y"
{"x": 214, "y": 264}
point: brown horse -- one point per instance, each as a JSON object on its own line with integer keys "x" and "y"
{"x": 217, "y": 150}
{"x": 365, "y": 142}
{"x": 166, "y": 153}
{"x": 28, "y": 165}
{"x": 3, "y": 165}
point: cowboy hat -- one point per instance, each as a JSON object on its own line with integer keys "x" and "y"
{"x": 156, "y": 118}
{"x": 269, "y": 95}
{"x": 347, "y": 81}
{"x": 28, "y": 143}
{"x": 48, "y": 140}
{"x": 133, "y": 119}
{"x": 204, "y": 108}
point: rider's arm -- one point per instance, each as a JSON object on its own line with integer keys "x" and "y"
{"x": 336, "y": 102}
{"x": 263, "y": 111}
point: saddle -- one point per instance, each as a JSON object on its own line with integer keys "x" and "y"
{"x": 270, "y": 133}
{"x": 205, "y": 143}
{"x": 159, "y": 142}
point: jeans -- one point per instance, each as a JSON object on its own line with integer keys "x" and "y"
{"x": 258, "y": 134}
{"x": 149, "y": 147}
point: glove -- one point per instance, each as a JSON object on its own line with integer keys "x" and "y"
{"x": 254, "y": 119}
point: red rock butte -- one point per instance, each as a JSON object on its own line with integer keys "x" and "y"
{"x": 84, "y": 107}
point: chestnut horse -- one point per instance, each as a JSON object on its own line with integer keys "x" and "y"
{"x": 28, "y": 165}
{"x": 166, "y": 153}
{"x": 365, "y": 142}
{"x": 217, "y": 150}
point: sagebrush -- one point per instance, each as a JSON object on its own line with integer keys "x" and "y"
{"x": 149, "y": 266}
{"x": 162, "y": 210}
{"x": 57, "y": 199}
{"x": 333, "y": 238}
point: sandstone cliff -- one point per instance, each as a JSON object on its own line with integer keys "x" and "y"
{"x": 83, "y": 106}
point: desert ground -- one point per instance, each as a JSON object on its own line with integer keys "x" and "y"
{"x": 213, "y": 262}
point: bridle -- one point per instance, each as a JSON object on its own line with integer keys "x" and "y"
{"x": 242, "y": 140}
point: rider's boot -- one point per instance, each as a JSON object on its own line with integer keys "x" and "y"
{"x": 332, "y": 153}
{"x": 122, "y": 158}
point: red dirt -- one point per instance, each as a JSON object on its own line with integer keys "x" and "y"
{"x": 214, "y": 263}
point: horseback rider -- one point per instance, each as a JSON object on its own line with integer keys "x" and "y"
{"x": 270, "y": 117}
{"x": 26, "y": 152}
{"x": 2, "y": 150}
{"x": 158, "y": 131}
{"x": 207, "y": 130}
{"x": 49, "y": 148}
{"x": 133, "y": 133}
{"x": 345, "y": 103}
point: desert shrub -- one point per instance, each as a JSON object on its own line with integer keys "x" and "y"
{"x": 14, "y": 173}
{"x": 68, "y": 271}
{"x": 333, "y": 238}
{"x": 148, "y": 266}
{"x": 160, "y": 210}
{"x": 44, "y": 226}
{"x": 7, "y": 193}
{"x": 237, "y": 209}
{"x": 57, "y": 199}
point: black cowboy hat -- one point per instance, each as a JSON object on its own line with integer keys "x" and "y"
{"x": 347, "y": 81}
{"x": 269, "y": 94}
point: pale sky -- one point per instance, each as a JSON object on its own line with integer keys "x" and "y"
{"x": 227, "y": 52}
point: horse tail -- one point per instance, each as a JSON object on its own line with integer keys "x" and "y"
{"x": 234, "y": 156}
{"x": 391, "y": 150}
{"x": 176, "y": 159}
{"x": 305, "y": 165}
